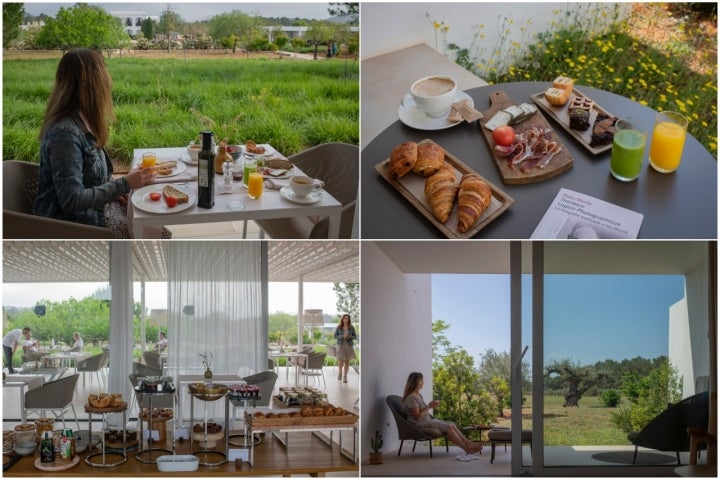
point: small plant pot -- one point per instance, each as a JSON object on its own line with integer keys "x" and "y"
{"x": 376, "y": 458}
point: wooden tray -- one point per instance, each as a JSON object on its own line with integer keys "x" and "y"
{"x": 560, "y": 163}
{"x": 57, "y": 465}
{"x": 120, "y": 408}
{"x": 562, "y": 117}
{"x": 412, "y": 187}
{"x": 259, "y": 422}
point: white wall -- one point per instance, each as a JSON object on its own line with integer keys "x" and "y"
{"x": 679, "y": 350}
{"x": 397, "y": 340}
{"x": 386, "y": 27}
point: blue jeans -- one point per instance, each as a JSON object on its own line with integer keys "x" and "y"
{"x": 8, "y": 358}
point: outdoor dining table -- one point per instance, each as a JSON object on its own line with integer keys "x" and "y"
{"x": 66, "y": 359}
{"x": 23, "y": 382}
{"x": 270, "y": 205}
{"x": 679, "y": 205}
{"x": 274, "y": 356}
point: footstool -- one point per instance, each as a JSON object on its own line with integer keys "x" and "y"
{"x": 504, "y": 436}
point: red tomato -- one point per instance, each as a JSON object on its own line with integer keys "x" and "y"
{"x": 171, "y": 201}
{"x": 155, "y": 196}
{"x": 504, "y": 135}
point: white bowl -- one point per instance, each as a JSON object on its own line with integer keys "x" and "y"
{"x": 177, "y": 463}
{"x": 193, "y": 151}
{"x": 25, "y": 448}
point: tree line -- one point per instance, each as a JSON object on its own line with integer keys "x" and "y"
{"x": 90, "y": 26}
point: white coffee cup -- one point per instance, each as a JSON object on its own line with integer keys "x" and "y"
{"x": 433, "y": 94}
{"x": 303, "y": 186}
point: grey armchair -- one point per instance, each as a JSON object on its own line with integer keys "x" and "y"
{"x": 152, "y": 359}
{"x": 668, "y": 431}
{"x": 94, "y": 363}
{"x": 142, "y": 370}
{"x": 20, "y": 185}
{"x": 313, "y": 366}
{"x": 55, "y": 396}
{"x": 407, "y": 431}
{"x": 337, "y": 165}
{"x": 266, "y": 381}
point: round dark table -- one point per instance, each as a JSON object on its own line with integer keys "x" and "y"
{"x": 679, "y": 205}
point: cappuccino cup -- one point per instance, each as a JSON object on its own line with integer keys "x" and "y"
{"x": 303, "y": 186}
{"x": 434, "y": 95}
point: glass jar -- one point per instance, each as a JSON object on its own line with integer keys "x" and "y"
{"x": 25, "y": 434}
{"x": 43, "y": 425}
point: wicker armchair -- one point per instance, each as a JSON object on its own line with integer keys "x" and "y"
{"x": 407, "y": 431}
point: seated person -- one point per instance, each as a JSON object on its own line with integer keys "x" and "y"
{"x": 418, "y": 414}
{"x": 161, "y": 345}
{"x": 78, "y": 343}
{"x": 30, "y": 350}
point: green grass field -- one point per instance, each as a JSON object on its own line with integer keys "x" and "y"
{"x": 291, "y": 104}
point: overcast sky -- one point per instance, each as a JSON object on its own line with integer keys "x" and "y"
{"x": 194, "y": 11}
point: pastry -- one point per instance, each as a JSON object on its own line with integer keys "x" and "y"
{"x": 557, "y": 96}
{"x": 564, "y": 83}
{"x": 440, "y": 191}
{"x": 252, "y": 147}
{"x": 474, "y": 197}
{"x": 318, "y": 412}
{"x": 430, "y": 158}
{"x": 402, "y": 159}
{"x": 603, "y": 130}
{"x": 579, "y": 112}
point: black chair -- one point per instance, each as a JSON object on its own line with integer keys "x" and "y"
{"x": 668, "y": 431}
{"x": 407, "y": 431}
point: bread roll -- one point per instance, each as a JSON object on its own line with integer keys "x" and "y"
{"x": 440, "y": 191}
{"x": 318, "y": 412}
{"x": 557, "y": 96}
{"x": 306, "y": 411}
{"x": 474, "y": 197}
{"x": 564, "y": 83}
{"x": 402, "y": 159}
{"x": 430, "y": 158}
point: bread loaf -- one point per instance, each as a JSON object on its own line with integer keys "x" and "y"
{"x": 430, "y": 158}
{"x": 440, "y": 191}
{"x": 474, "y": 196}
{"x": 557, "y": 96}
{"x": 170, "y": 191}
{"x": 402, "y": 159}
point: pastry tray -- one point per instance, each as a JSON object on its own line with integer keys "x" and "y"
{"x": 412, "y": 187}
{"x": 561, "y": 115}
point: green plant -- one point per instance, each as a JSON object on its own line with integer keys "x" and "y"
{"x": 376, "y": 443}
{"x": 610, "y": 398}
{"x": 228, "y": 131}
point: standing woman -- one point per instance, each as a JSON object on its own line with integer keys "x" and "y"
{"x": 344, "y": 336}
{"x": 418, "y": 413}
{"x": 75, "y": 170}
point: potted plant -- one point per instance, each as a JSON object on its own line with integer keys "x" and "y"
{"x": 376, "y": 443}
{"x": 228, "y": 131}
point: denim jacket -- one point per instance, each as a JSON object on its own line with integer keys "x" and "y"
{"x": 339, "y": 340}
{"x": 75, "y": 175}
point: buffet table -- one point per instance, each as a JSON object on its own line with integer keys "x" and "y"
{"x": 680, "y": 205}
{"x": 308, "y": 456}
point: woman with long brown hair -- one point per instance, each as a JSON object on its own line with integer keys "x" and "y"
{"x": 418, "y": 413}
{"x": 76, "y": 181}
{"x": 344, "y": 336}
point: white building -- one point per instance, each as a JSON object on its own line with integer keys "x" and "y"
{"x": 132, "y": 20}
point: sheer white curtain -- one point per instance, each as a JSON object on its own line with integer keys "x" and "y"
{"x": 217, "y": 303}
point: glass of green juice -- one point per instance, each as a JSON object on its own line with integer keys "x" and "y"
{"x": 628, "y": 149}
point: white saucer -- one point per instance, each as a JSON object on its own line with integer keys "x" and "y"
{"x": 288, "y": 194}
{"x": 416, "y": 118}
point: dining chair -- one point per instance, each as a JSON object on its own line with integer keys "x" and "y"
{"x": 20, "y": 186}
{"x": 93, "y": 364}
{"x": 142, "y": 370}
{"x": 314, "y": 365}
{"x": 152, "y": 359}
{"x": 408, "y": 431}
{"x": 55, "y": 396}
{"x": 337, "y": 165}
{"x": 266, "y": 381}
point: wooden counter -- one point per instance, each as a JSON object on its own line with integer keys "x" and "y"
{"x": 308, "y": 456}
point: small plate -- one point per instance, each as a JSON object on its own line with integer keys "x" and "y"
{"x": 141, "y": 199}
{"x": 269, "y": 150}
{"x": 288, "y": 194}
{"x": 186, "y": 159}
{"x": 179, "y": 168}
{"x": 416, "y": 118}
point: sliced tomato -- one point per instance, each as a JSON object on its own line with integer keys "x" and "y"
{"x": 171, "y": 201}
{"x": 504, "y": 135}
{"x": 155, "y": 196}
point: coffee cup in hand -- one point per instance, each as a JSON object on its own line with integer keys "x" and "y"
{"x": 303, "y": 186}
{"x": 434, "y": 95}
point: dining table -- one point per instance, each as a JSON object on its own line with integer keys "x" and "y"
{"x": 65, "y": 359}
{"x": 677, "y": 205}
{"x": 275, "y": 356}
{"x": 232, "y": 202}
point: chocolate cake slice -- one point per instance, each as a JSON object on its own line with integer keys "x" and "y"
{"x": 603, "y": 130}
{"x": 579, "y": 112}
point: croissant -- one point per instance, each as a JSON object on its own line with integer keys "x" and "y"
{"x": 474, "y": 198}
{"x": 440, "y": 191}
{"x": 402, "y": 159}
{"x": 430, "y": 158}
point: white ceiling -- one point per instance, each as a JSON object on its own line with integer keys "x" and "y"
{"x": 646, "y": 257}
{"x": 87, "y": 261}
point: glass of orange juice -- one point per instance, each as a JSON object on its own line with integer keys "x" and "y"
{"x": 255, "y": 185}
{"x": 149, "y": 159}
{"x": 667, "y": 142}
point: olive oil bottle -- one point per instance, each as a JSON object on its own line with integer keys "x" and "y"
{"x": 206, "y": 172}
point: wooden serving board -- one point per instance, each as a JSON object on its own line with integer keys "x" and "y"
{"x": 560, "y": 163}
{"x": 57, "y": 465}
{"x": 259, "y": 422}
{"x": 412, "y": 187}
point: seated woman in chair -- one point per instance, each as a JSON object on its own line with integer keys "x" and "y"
{"x": 418, "y": 413}
{"x": 78, "y": 343}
